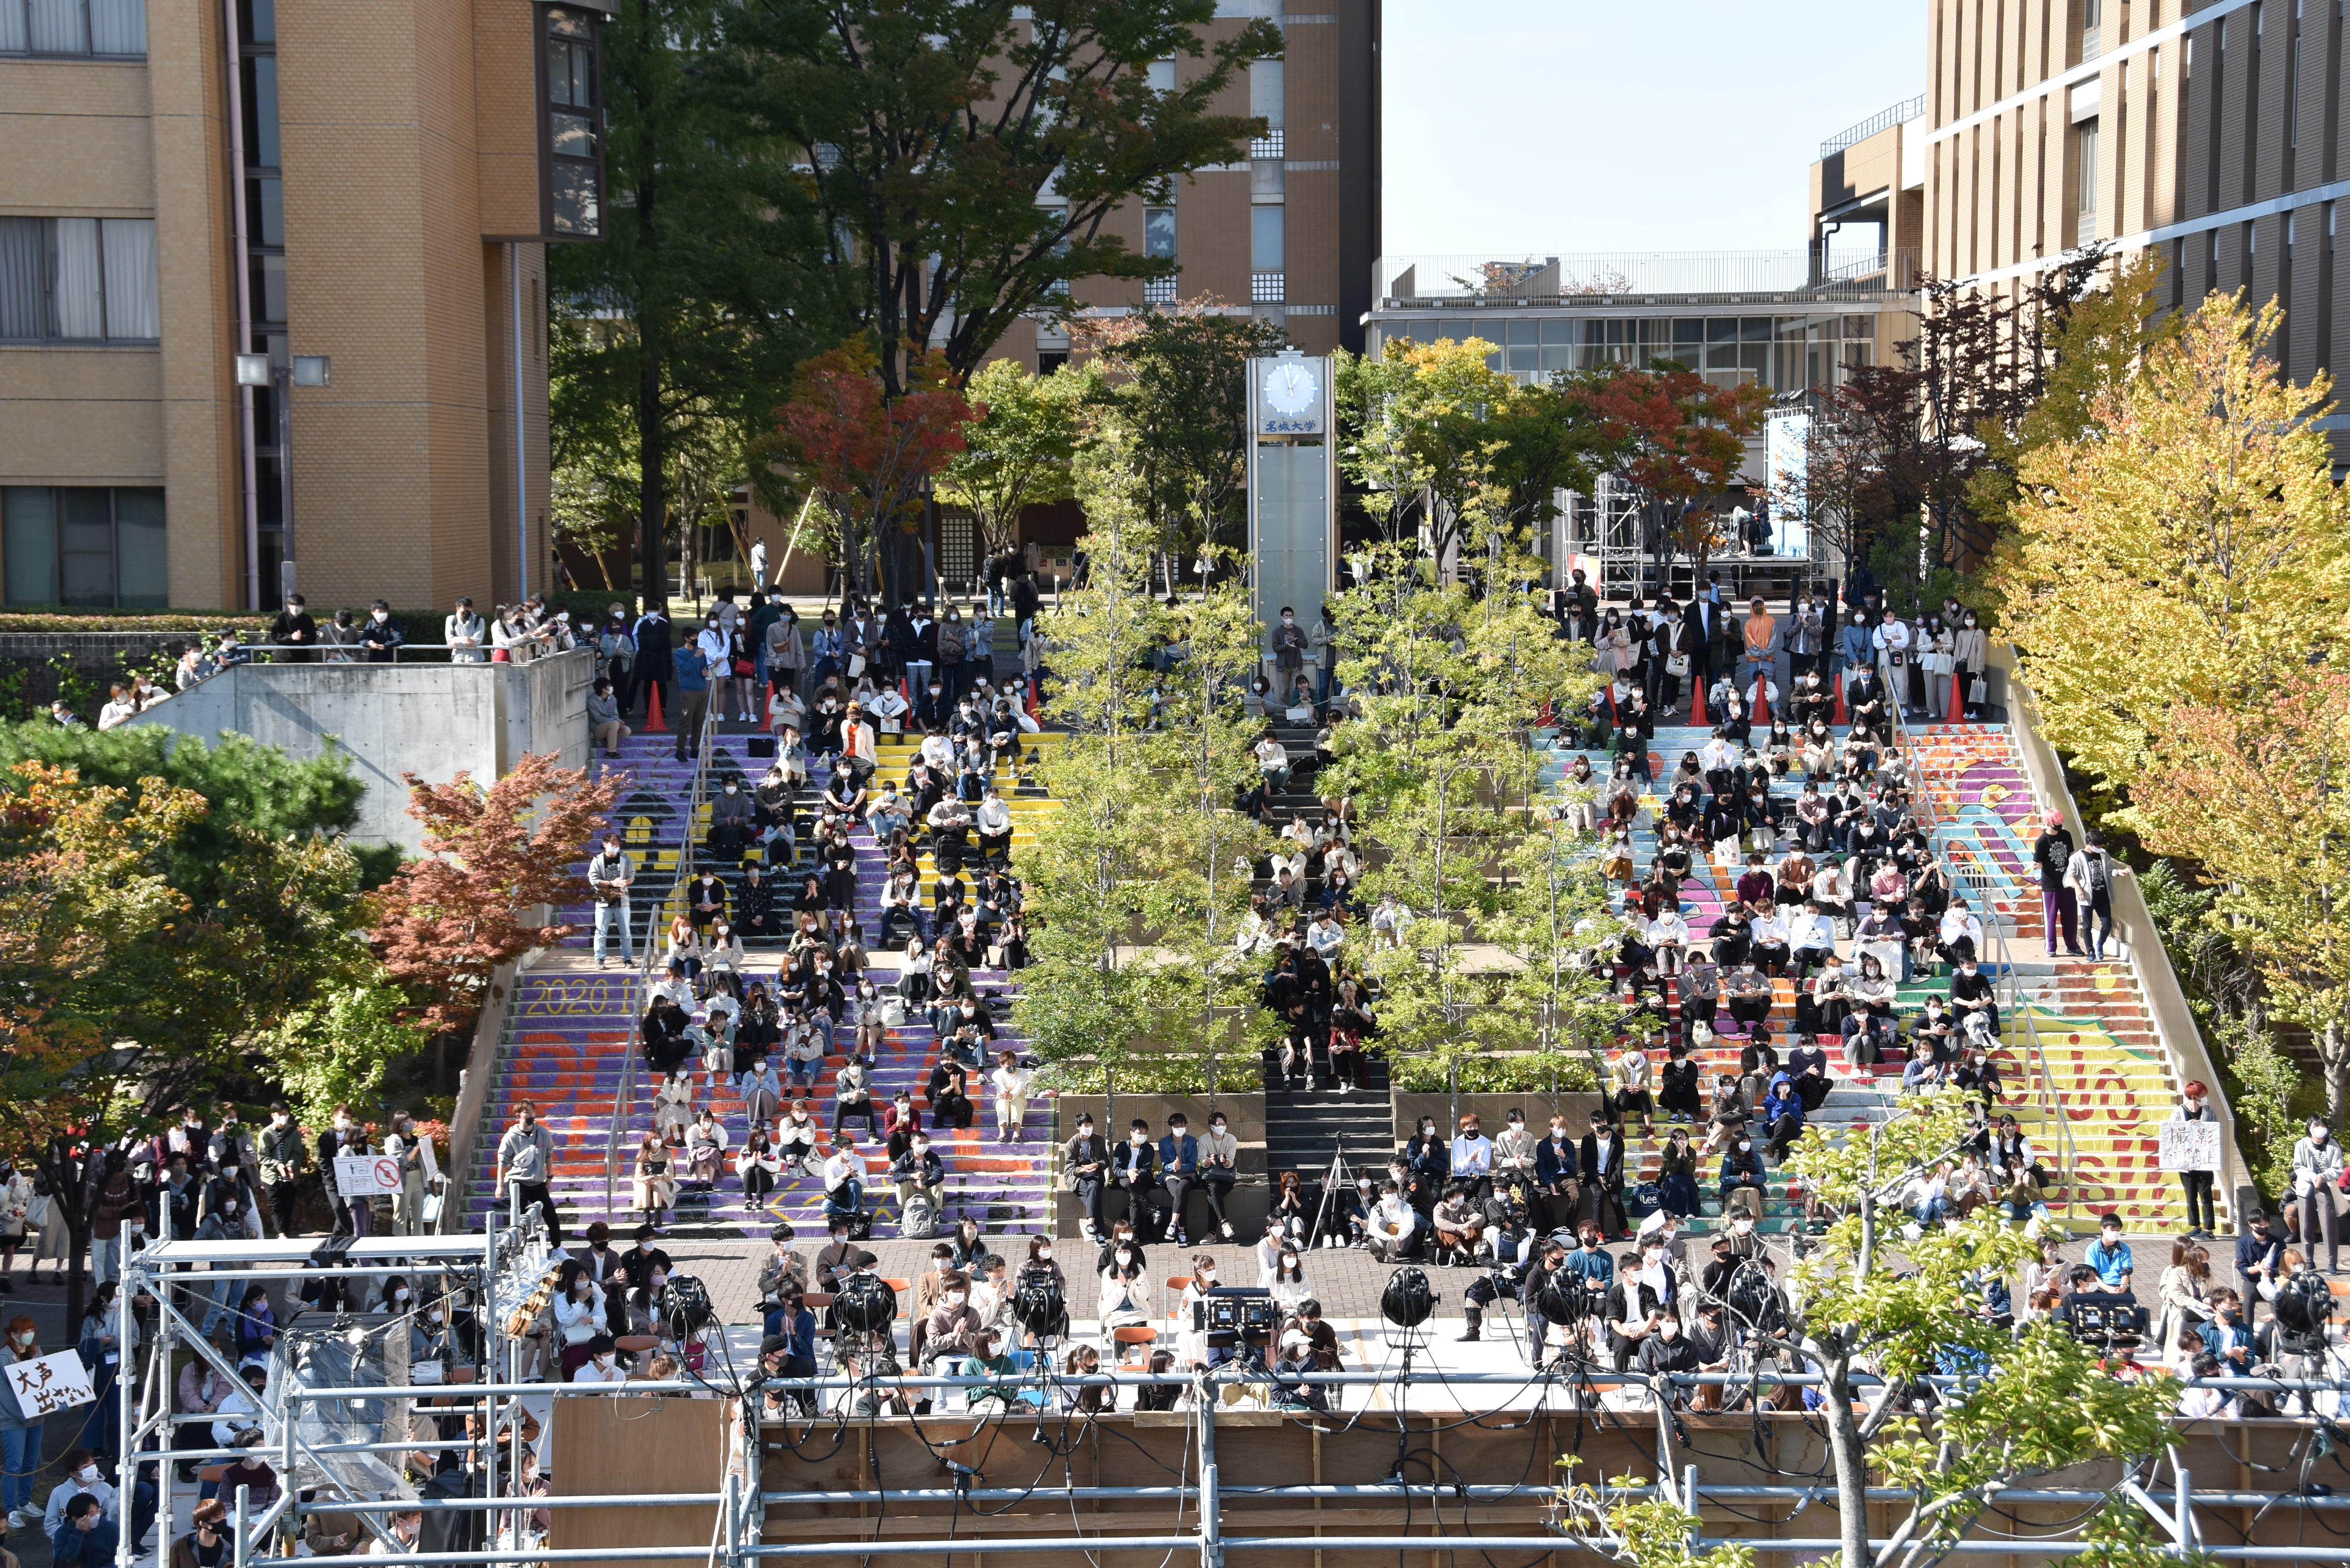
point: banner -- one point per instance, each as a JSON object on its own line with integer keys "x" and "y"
{"x": 2191, "y": 1145}
{"x": 52, "y": 1384}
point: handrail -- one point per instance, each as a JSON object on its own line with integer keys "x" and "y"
{"x": 2166, "y": 1003}
{"x": 2014, "y": 1004}
{"x": 624, "y": 1096}
{"x": 1852, "y": 135}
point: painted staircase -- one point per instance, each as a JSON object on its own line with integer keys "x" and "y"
{"x": 570, "y": 1034}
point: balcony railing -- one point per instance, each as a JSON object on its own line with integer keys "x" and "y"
{"x": 1504, "y": 281}
{"x": 1907, "y": 108}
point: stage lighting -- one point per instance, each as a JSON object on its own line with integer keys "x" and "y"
{"x": 1408, "y": 1300}
{"x": 1038, "y": 1306}
{"x": 685, "y": 1305}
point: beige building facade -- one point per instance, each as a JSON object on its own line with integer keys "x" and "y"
{"x": 2212, "y": 130}
{"x": 191, "y": 181}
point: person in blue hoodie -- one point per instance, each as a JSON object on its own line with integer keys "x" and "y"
{"x": 1782, "y": 1111}
{"x": 692, "y": 698}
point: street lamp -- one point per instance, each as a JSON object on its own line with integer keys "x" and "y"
{"x": 306, "y": 370}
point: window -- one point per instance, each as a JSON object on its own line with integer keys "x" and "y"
{"x": 2084, "y": 146}
{"x": 1159, "y": 231}
{"x": 573, "y": 119}
{"x": 115, "y": 29}
{"x": 91, "y": 547}
{"x": 1267, "y": 239}
{"x": 1161, "y": 77}
{"x": 78, "y": 280}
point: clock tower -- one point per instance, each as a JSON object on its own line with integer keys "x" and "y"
{"x": 1292, "y": 490}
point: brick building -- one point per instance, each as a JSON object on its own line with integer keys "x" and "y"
{"x": 195, "y": 180}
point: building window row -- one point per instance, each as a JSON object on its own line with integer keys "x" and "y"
{"x": 83, "y": 280}
{"x": 83, "y": 546}
{"x": 1785, "y": 353}
{"x": 107, "y": 29}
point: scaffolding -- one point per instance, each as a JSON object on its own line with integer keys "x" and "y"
{"x": 1621, "y": 538}
{"x": 1229, "y": 1465}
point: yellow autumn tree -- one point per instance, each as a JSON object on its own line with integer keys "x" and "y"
{"x": 2187, "y": 551}
{"x": 2259, "y": 798}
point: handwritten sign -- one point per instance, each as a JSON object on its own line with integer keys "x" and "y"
{"x": 52, "y": 1384}
{"x": 365, "y": 1175}
{"x": 2191, "y": 1145}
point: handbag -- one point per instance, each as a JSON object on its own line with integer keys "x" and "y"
{"x": 1677, "y": 664}
{"x": 855, "y": 665}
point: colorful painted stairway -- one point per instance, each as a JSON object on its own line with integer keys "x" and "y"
{"x": 571, "y": 1033}
{"x": 2093, "y": 1117}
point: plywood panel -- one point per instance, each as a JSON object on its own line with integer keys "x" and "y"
{"x": 637, "y": 1446}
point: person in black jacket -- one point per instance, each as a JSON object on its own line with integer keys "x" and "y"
{"x": 1602, "y": 1158}
{"x": 1134, "y": 1167}
{"x": 293, "y": 633}
{"x": 754, "y": 907}
{"x": 382, "y": 636}
{"x": 653, "y": 667}
{"x": 1429, "y": 1162}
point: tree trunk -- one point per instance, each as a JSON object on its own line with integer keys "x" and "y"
{"x": 1851, "y": 1457}
{"x": 652, "y": 501}
{"x": 2334, "y": 1050}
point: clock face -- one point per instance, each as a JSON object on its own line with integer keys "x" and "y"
{"x": 1290, "y": 389}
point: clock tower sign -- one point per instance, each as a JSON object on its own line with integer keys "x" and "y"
{"x": 1292, "y": 490}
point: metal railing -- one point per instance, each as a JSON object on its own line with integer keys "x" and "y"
{"x": 1596, "y": 277}
{"x": 1984, "y": 893}
{"x": 625, "y": 1096}
{"x": 1883, "y": 119}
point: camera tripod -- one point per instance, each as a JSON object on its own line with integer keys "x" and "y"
{"x": 1334, "y": 1181}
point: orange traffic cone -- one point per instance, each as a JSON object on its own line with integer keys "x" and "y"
{"x": 1762, "y": 701}
{"x": 654, "y": 725}
{"x": 1839, "y": 702}
{"x": 1958, "y": 698}
{"x": 1697, "y": 701}
{"x": 766, "y": 701}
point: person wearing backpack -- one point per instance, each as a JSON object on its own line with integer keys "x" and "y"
{"x": 2090, "y": 874}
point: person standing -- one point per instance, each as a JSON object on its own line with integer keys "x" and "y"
{"x": 2203, "y": 1218}
{"x": 381, "y": 636}
{"x": 526, "y": 1158}
{"x": 2052, "y": 854}
{"x": 2316, "y": 1186}
{"x": 294, "y": 632}
{"x": 419, "y": 1174}
{"x": 463, "y": 630}
{"x": 688, "y": 669}
{"x": 610, "y": 874}
{"x": 653, "y": 670}
{"x": 20, "y": 1429}
{"x": 280, "y": 1163}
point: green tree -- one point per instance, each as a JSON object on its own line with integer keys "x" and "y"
{"x": 1178, "y": 377}
{"x": 1444, "y": 772}
{"x": 965, "y": 156}
{"x": 711, "y": 281}
{"x": 1875, "y": 1300}
{"x": 1018, "y": 451}
{"x": 1420, "y": 438}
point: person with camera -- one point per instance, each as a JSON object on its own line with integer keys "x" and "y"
{"x": 610, "y": 873}
{"x": 788, "y": 1350}
{"x": 2098, "y": 1314}
{"x": 1523, "y": 1281}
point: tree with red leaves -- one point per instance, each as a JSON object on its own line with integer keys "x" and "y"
{"x": 868, "y": 455}
{"x": 493, "y": 858}
{"x": 1684, "y": 439}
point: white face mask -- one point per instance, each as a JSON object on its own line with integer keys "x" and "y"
{"x": 87, "y": 1474}
{"x": 432, "y": 1316}
{"x": 1124, "y": 1256}
{"x": 604, "y": 1361}
{"x": 1208, "y": 1276}
{"x": 1043, "y": 1255}
{"x": 956, "y": 1298}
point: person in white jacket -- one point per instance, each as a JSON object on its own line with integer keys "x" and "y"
{"x": 2316, "y": 1187}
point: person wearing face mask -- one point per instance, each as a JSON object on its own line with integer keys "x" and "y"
{"x": 1134, "y": 1170}
{"x": 1743, "y": 1181}
{"x": 953, "y": 1324}
{"x": 382, "y": 636}
{"x": 526, "y": 1161}
{"x": 2202, "y": 1221}
{"x": 2316, "y": 1186}
{"x": 1126, "y": 1293}
{"x": 280, "y": 1153}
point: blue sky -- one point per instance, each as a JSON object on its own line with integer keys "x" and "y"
{"x": 1574, "y": 127}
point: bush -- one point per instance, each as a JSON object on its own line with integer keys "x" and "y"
{"x": 1529, "y": 1072}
